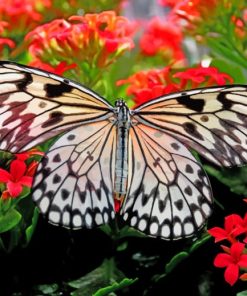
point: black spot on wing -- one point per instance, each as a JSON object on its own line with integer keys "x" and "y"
{"x": 54, "y": 118}
{"x": 64, "y": 194}
{"x": 55, "y": 90}
{"x": 193, "y": 104}
{"x": 23, "y": 83}
{"x": 191, "y": 129}
{"x": 227, "y": 104}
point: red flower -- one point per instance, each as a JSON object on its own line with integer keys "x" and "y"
{"x": 22, "y": 14}
{"x": 195, "y": 9}
{"x": 27, "y": 154}
{"x": 163, "y": 38}
{"x": 200, "y": 75}
{"x": 16, "y": 178}
{"x": 5, "y": 41}
{"x": 93, "y": 40}
{"x": 146, "y": 85}
{"x": 232, "y": 228}
{"x": 170, "y": 3}
{"x": 232, "y": 261}
{"x": 59, "y": 69}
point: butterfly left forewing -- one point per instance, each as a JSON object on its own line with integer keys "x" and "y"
{"x": 37, "y": 105}
{"x": 73, "y": 185}
{"x": 169, "y": 195}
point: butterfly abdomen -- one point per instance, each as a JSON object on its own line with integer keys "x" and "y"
{"x": 121, "y": 167}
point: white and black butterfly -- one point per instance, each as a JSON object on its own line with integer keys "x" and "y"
{"x": 138, "y": 157}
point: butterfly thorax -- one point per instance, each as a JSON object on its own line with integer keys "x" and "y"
{"x": 121, "y": 167}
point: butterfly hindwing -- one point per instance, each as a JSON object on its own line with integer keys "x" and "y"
{"x": 169, "y": 195}
{"x": 73, "y": 186}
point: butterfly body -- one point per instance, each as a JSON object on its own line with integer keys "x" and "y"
{"x": 121, "y": 166}
{"x": 139, "y": 157}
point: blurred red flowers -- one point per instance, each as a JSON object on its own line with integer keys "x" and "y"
{"x": 193, "y": 12}
{"x": 92, "y": 40}
{"x": 22, "y": 15}
{"x": 163, "y": 38}
{"x": 146, "y": 85}
{"x": 232, "y": 261}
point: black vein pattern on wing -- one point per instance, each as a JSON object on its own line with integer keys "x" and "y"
{"x": 150, "y": 216}
{"x": 55, "y": 118}
{"x": 89, "y": 184}
{"x": 187, "y": 137}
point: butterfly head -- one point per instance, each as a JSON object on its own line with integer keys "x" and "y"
{"x": 122, "y": 112}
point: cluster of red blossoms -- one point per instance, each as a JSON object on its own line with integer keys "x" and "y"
{"x": 146, "y": 85}
{"x": 90, "y": 41}
{"x": 234, "y": 258}
{"x": 19, "y": 174}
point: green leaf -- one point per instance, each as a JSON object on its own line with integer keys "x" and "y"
{"x": 198, "y": 243}
{"x": 243, "y": 293}
{"x": 30, "y": 229}
{"x": 231, "y": 69}
{"x": 47, "y": 289}
{"x": 105, "y": 275}
{"x": 235, "y": 178}
{"x": 224, "y": 49}
{"x": 9, "y": 220}
{"x": 114, "y": 287}
{"x": 175, "y": 261}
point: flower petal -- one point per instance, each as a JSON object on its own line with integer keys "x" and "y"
{"x": 4, "y": 176}
{"x": 218, "y": 233}
{"x": 231, "y": 221}
{"x": 243, "y": 261}
{"x": 26, "y": 180}
{"x": 14, "y": 189}
{"x": 237, "y": 250}
{"x": 17, "y": 169}
{"x": 231, "y": 274}
{"x": 222, "y": 260}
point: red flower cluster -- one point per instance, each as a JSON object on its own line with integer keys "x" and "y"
{"x": 22, "y": 15}
{"x": 146, "y": 85}
{"x": 5, "y": 41}
{"x": 163, "y": 38}
{"x": 235, "y": 257}
{"x": 92, "y": 40}
{"x": 191, "y": 10}
{"x": 20, "y": 174}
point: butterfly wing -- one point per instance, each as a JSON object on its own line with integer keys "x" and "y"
{"x": 37, "y": 105}
{"x": 169, "y": 194}
{"x": 212, "y": 121}
{"x": 73, "y": 185}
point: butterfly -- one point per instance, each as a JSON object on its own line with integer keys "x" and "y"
{"x": 108, "y": 157}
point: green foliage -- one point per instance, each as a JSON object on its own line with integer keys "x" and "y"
{"x": 9, "y": 220}
{"x": 234, "y": 178}
{"x": 107, "y": 275}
